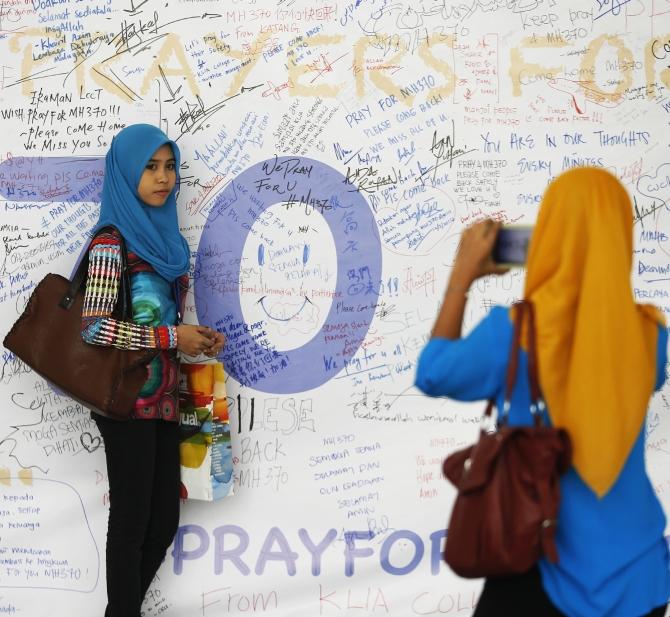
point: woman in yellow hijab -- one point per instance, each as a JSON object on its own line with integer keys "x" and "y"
{"x": 601, "y": 356}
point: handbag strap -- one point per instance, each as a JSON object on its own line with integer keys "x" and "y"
{"x": 123, "y": 309}
{"x": 537, "y": 405}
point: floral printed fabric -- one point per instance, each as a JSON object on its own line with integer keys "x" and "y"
{"x": 154, "y": 316}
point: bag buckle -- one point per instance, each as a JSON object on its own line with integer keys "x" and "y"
{"x": 66, "y": 301}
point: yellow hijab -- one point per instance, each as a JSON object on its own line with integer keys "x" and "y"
{"x": 596, "y": 346}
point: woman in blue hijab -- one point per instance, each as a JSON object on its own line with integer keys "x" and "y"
{"x": 139, "y": 205}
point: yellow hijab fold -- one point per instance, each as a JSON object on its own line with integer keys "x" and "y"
{"x": 596, "y": 346}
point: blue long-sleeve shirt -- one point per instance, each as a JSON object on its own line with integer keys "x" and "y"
{"x": 613, "y": 557}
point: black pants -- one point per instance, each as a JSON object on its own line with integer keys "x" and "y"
{"x": 523, "y": 596}
{"x": 143, "y": 472}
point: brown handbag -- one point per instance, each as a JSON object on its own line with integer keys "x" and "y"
{"x": 47, "y": 337}
{"x": 505, "y": 514}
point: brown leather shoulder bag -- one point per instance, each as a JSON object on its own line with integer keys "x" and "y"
{"x": 505, "y": 514}
{"x": 47, "y": 337}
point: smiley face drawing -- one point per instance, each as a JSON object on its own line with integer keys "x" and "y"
{"x": 294, "y": 281}
{"x": 274, "y": 268}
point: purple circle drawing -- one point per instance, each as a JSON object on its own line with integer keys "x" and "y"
{"x": 310, "y": 188}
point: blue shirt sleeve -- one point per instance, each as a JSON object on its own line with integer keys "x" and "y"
{"x": 470, "y": 368}
{"x": 661, "y": 356}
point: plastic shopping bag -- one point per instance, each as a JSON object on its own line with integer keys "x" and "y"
{"x": 205, "y": 450}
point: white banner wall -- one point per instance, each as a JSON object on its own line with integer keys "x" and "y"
{"x": 332, "y": 153}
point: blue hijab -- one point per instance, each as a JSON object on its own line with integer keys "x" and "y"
{"x": 150, "y": 232}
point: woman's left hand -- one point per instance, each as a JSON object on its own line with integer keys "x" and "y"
{"x": 218, "y": 341}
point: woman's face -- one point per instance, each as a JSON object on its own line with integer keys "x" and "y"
{"x": 158, "y": 178}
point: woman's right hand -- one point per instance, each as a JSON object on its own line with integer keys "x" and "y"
{"x": 475, "y": 253}
{"x": 194, "y": 340}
